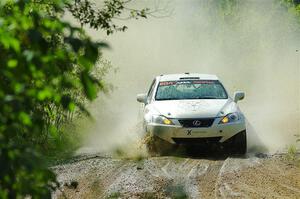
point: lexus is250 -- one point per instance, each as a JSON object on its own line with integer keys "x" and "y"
{"x": 193, "y": 109}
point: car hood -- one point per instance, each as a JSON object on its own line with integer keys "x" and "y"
{"x": 200, "y": 108}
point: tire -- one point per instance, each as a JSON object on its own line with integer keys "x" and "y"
{"x": 157, "y": 146}
{"x": 152, "y": 147}
{"x": 239, "y": 144}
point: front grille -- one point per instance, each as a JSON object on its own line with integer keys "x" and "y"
{"x": 196, "y": 140}
{"x": 196, "y": 123}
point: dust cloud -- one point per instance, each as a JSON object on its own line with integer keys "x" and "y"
{"x": 253, "y": 50}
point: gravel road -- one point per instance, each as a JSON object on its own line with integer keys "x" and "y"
{"x": 254, "y": 176}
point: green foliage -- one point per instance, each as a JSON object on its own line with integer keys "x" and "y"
{"x": 227, "y": 7}
{"x": 292, "y": 151}
{"x": 114, "y": 195}
{"x": 84, "y": 11}
{"x": 292, "y": 6}
{"x": 292, "y": 155}
{"x": 297, "y": 137}
{"x": 177, "y": 192}
{"x": 46, "y": 67}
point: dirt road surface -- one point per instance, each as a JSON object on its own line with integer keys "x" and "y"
{"x": 253, "y": 176}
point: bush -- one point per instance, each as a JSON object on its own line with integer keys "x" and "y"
{"x": 45, "y": 64}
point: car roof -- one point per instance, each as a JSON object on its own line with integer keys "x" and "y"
{"x": 182, "y": 76}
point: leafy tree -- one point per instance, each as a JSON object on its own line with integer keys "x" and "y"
{"x": 47, "y": 75}
{"x": 293, "y": 6}
{"x": 86, "y": 14}
{"x": 44, "y": 61}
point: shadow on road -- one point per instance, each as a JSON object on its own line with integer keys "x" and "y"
{"x": 203, "y": 152}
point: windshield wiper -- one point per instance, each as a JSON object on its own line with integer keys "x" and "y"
{"x": 207, "y": 97}
{"x": 171, "y": 98}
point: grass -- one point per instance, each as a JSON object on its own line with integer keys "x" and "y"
{"x": 176, "y": 192}
{"x": 292, "y": 155}
{"x": 292, "y": 152}
{"x": 114, "y": 195}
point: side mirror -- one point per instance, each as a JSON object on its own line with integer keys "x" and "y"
{"x": 238, "y": 95}
{"x": 141, "y": 98}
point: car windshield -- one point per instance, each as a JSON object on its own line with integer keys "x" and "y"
{"x": 190, "y": 89}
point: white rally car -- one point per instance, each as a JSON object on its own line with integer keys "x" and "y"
{"x": 193, "y": 109}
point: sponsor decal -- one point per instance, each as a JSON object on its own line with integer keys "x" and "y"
{"x": 169, "y": 83}
{"x": 189, "y": 132}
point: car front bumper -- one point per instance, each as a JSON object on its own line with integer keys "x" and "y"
{"x": 217, "y": 132}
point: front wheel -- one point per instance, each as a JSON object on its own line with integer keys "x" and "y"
{"x": 157, "y": 146}
{"x": 238, "y": 143}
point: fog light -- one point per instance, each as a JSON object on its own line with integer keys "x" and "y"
{"x": 167, "y": 121}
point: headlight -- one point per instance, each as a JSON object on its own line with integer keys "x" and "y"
{"x": 231, "y": 117}
{"x": 159, "y": 119}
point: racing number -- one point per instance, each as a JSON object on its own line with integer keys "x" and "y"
{"x": 189, "y": 132}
